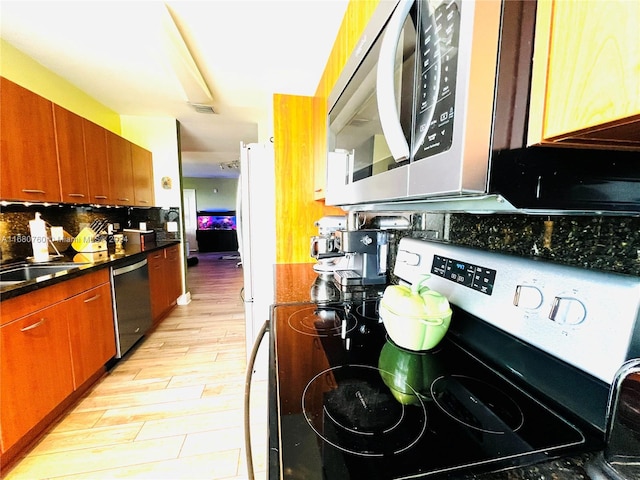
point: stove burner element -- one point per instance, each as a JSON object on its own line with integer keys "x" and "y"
{"x": 476, "y": 404}
{"x": 351, "y": 408}
{"x": 322, "y": 321}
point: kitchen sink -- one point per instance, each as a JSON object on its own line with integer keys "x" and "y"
{"x": 25, "y": 272}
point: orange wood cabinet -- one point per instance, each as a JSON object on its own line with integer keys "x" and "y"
{"x": 52, "y": 340}
{"x": 164, "y": 280}
{"x": 120, "y": 169}
{"x": 36, "y": 370}
{"x": 28, "y": 157}
{"x": 586, "y": 82}
{"x": 91, "y": 331}
{"x": 49, "y": 154}
{"x": 74, "y": 183}
{"x": 300, "y": 132}
{"x": 157, "y": 285}
{"x": 95, "y": 154}
{"x": 142, "y": 163}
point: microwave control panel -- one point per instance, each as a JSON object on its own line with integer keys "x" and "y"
{"x": 438, "y": 40}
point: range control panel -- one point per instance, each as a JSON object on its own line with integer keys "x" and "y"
{"x": 585, "y": 317}
{"x": 467, "y": 274}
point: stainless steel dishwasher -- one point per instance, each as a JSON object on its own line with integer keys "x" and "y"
{"x": 131, "y": 304}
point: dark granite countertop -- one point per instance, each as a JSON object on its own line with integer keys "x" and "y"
{"x": 85, "y": 265}
{"x": 293, "y": 283}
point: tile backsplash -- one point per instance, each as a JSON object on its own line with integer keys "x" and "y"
{"x": 14, "y": 223}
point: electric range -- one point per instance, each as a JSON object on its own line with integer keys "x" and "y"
{"x": 522, "y": 376}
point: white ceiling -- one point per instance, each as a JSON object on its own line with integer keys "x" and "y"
{"x": 246, "y": 50}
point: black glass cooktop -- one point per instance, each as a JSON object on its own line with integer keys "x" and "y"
{"x": 352, "y": 404}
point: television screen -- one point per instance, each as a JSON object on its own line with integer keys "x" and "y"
{"x": 216, "y": 222}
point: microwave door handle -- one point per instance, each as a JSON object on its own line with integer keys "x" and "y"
{"x": 385, "y": 91}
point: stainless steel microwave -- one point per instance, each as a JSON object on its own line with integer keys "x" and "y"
{"x": 431, "y": 112}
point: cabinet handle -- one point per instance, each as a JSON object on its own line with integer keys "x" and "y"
{"x": 29, "y": 190}
{"x": 123, "y": 199}
{"x": 95, "y": 297}
{"x": 143, "y": 201}
{"x": 35, "y": 325}
{"x": 100, "y": 197}
{"x": 80, "y": 195}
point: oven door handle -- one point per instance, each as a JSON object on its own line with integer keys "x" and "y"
{"x": 385, "y": 84}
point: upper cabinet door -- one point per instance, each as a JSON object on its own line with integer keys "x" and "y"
{"x": 142, "y": 161}
{"x": 27, "y": 139}
{"x": 586, "y": 83}
{"x": 95, "y": 152}
{"x": 73, "y": 169}
{"x": 120, "y": 170}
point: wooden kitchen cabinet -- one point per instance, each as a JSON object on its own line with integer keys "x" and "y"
{"x": 28, "y": 157}
{"x": 586, "y": 79}
{"x": 91, "y": 331}
{"x": 165, "y": 281}
{"x": 96, "y": 158}
{"x": 120, "y": 169}
{"x": 74, "y": 184}
{"x": 36, "y": 370}
{"x": 53, "y": 340}
{"x": 157, "y": 285}
{"x": 142, "y": 163}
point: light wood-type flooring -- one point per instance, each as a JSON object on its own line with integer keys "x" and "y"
{"x": 173, "y": 408}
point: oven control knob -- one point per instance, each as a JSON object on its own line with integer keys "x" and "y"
{"x": 567, "y": 311}
{"x": 527, "y": 296}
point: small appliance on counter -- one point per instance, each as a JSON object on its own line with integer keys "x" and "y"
{"x": 323, "y": 246}
{"x": 139, "y": 236}
{"x": 366, "y": 257}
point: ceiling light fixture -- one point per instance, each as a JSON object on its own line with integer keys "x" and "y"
{"x": 184, "y": 65}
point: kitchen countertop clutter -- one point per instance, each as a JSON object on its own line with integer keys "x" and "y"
{"x": 70, "y": 265}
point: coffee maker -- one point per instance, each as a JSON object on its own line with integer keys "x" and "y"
{"x": 365, "y": 254}
{"x": 323, "y": 246}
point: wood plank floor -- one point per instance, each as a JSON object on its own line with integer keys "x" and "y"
{"x": 173, "y": 408}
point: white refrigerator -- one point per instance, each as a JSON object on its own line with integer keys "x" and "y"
{"x": 257, "y": 243}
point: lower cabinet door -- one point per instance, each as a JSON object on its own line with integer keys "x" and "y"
{"x": 36, "y": 370}
{"x": 91, "y": 331}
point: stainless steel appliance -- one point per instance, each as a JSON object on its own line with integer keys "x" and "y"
{"x": 131, "y": 302}
{"x": 433, "y": 106}
{"x": 366, "y": 257}
{"x": 522, "y": 376}
{"x": 323, "y": 246}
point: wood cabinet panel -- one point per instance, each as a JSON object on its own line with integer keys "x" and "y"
{"x": 97, "y": 161}
{"x": 28, "y": 157}
{"x": 120, "y": 170}
{"x": 165, "y": 280}
{"x": 592, "y": 79}
{"x": 174, "y": 278}
{"x": 74, "y": 183}
{"x": 36, "y": 370}
{"x": 91, "y": 331}
{"x": 157, "y": 284}
{"x": 294, "y": 148}
{"x": 142, "y": 163}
